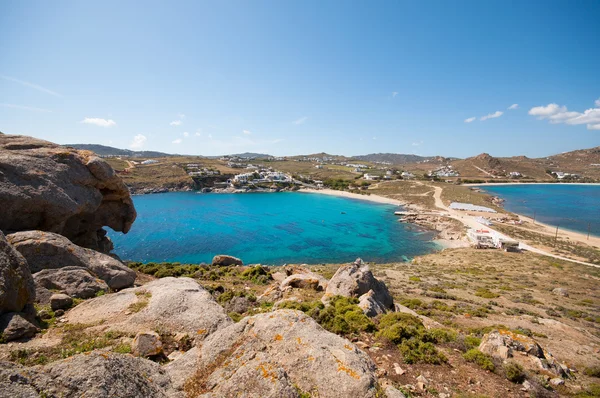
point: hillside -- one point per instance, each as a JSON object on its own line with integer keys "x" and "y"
{"x": 104, "y": 150}
{"x": 393, "y": 158}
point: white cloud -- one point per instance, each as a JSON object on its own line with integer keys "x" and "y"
{"x": 99, "y": 122}
{"x": 198, "y": 134}
{"x": 417, "y": 143}
{"x": 513, "y": 107}
{"x": 210, "y": 136}
{"x": 247, "y": 132}
{"x": 186, "y": 134}
{"x": 175, "y": 123}
{"x": 559, "y": 114}
{"x": 138, "y": 142}
{"x": 470, "y": 120}
{"x": 545, "y": 111}
{"x": 181, "y": 116}
{"x": 302, "y": 120}
{"x": 394, "y": 94}
{"x": 491, "y": 116}
{"x": 177, "y": 141}
{"x": 25, "y": 108}
{"x": 31, "y": 85}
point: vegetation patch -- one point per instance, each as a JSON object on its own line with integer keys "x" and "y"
{"x": 258, "y": 275}
{"x": 480, "y": 359}
{"x": 514, "y": 372}
{"x": 485, "y": 293}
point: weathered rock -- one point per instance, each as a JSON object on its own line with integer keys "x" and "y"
{"x": 16, "y": 284}
{"x": 370, "y": 306}
{"x": 44, "y": 186}
{"x": 356, "y": 279}
{"x": 493, "y": 344}
{"x": 225, "y": 260}
{"x": 146, "y": 344}
{"x": 14, "y": 326}
{"x": 291, "y": 270}
{"x": 238, "y": 304}
{"x": 270, "y": 354}
{"x": 301, "y": 281}
{"x": 103, "y": 374}
{"x": 557, "y": 381}
{"x": 173, "y": 304}
{"x": 392, "y": 392}
{"x": 60, "y": 301}
{"x": 561, "y": 291}
{"x": 17, "y": 381}
{"x": 46, "y": 250}
{"x": 74, "y": 281}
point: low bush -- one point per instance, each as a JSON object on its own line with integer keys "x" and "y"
{"x": 417, "y": 351}
{"x": 258, "y": 275}
{"x": 343, "y": 316}
{"x": 593, "y": 371}
{"x": 482, "y": 360}
{"x": 514, "y": 372}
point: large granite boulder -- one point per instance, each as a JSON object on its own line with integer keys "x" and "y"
{"x": 14, "y": 326}
{"x": 77, "y": 282}
{"x": 93, "y": 375}
{"x": 301, "y": 277}
{"x": 355, "y": 280}
{"x": 275, "y": 355}
{"x": 225, "y": 260}
{"x": 44, "y": 186}
{"x": 177, "y": 305}
{"x": 16, "y": 283}
{"x": 47, "y": 250}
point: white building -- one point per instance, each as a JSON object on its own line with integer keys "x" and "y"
{"x": 370, "y": 177}
{"x": 150, "y": 161}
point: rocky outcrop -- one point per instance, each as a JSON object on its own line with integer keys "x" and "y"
{"x": 93, "y": 375}
{"x": 77, "y": 282}
{"x": 355, "y": 280}
{"x": 16, "y": 283}
{"x": 303, "y": 278}
{"x": 173, "y": 304}
{"x": 275, "y": 355}
{"x": 44, "y": 186}
{"x": 15, "y": 326}
{"x": 46, "y": 250}
{"x": 225, "y": 260}
{"x": 60, "y": 301}
{"x": 146, "y": 344}
{"x": 502, "y": 344}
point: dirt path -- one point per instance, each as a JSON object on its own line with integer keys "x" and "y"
{"x": 470, "y": 222}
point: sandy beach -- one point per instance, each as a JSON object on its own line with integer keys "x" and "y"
{"x": 350, "y": 195}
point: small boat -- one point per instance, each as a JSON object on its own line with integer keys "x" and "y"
{"x": 343, "y": 212}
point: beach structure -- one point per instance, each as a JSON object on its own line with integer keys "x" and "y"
{"x": 487, "y": 239}
{"x": 149, "y": 161}
{"x": 470, "y": 207}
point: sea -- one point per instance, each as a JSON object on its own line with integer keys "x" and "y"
{"x": 268, "y": 229}
{"x": 575, "y": 207}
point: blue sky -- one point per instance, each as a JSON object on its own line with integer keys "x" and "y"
{"x": 298, "y": 77}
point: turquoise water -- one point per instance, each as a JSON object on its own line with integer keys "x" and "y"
{"x": 267, "y": 228}
{"x": 573, "y": 207}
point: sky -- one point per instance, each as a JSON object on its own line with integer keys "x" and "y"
{"x": 450, "y": 78}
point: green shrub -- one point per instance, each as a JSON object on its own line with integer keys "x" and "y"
{"x": 485, "y": 293}
{"x": 235, "y": 316}
{"x": 482, "y": 360}
{"x": 343, "y": 315}
{"x": 593, "y": 371}
{"x": 258, "y": 275}
{"x": 471, "y": 342}
{"x": 417, "y": 351}
{"x": 593, "y": 391}
{"x": 514, "y": 372}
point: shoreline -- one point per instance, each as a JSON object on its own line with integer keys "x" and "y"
{"x": 349, "y": 195}
{"x": 570, "y": 234}
{"x": 529, "y": 183}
